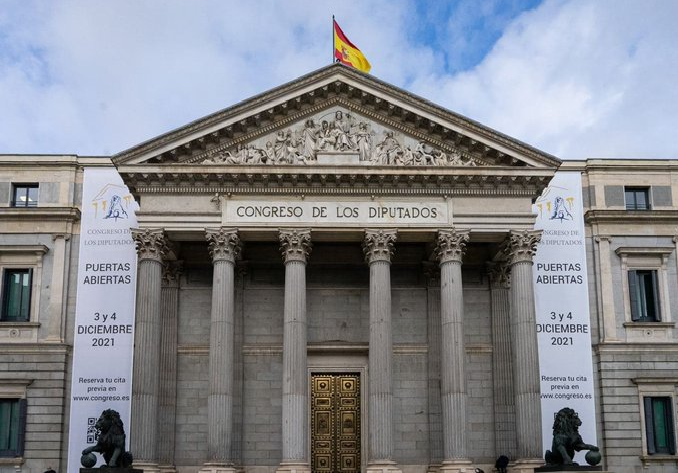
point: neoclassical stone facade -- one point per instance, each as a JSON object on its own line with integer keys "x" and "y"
{"x": 370, "y": 195}
{"x": 336, "y": 275}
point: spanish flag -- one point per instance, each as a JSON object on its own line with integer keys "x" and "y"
{"x": 347, "y": 53}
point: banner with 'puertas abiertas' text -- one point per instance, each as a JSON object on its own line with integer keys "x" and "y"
{"x": 562, "y": 305}
{"x": 104, "y": 316}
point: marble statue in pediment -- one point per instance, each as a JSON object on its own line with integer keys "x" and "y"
{"x": 339, "y": 132}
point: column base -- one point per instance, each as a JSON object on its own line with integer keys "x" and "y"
{"x": 147, "y": 467}
{"x": 456, "y": 466}
{"x": 526, "y": 465}
{"x": 218, "y": 468}
{"x": 167, "y": 469}
{"x": 433, "y": 468}
{"x": 293, "y": 468}
{"x": 383, "y": 466}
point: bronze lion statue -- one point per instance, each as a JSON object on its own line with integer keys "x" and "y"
{"x": 111, "y": 441}
{"x": 566, "y": 439}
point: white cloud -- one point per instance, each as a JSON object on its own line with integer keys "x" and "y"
{"x": 578, "y": 79}
{"x": 574, "y": 78}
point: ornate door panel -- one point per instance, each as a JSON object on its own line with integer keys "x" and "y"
{"x": 335, "y": 423}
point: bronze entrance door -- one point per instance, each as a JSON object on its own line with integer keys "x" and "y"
{"x": 335, "y": 422}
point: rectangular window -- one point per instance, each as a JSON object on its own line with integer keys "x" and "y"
{"x": 25, "y": 195}
{"x": 643, "y": 292}
{"x": 16, "y": 295}
{"x": 12, "y": 423}
{"x": 659, "y": 425}
{"x": 637, "y": 198}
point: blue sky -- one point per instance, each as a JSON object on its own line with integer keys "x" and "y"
{"x": 575, "y": 78}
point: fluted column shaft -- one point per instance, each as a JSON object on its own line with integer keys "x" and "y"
{"x": 521, "y": 247}
{"x": 168, "y": 362}
{"x": 449, "y": 252}
{"x": 295, "y": 246}
{"x": 224, "y": 247}
{"x": 378, "y": 247}
{"x": 432, "y": 273}
{"x": 151, "y": 246}
{"x": 502, "y": 374}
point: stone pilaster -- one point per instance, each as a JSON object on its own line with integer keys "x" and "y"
{"x": 502, "y": 371}
{"x": 604, "y": 274}
{"x": 224, "y": 247}
{"x": 450, "y": 248}
{"x": 59, "y": 279}
{"x": 435, "y": 435}
{"x": 151, "y": 247}
{"x": 168, "y": 363}
{"x": 378, "y": 247}
{"x": 521, "y": 247}
{"x": 295, "y": 246}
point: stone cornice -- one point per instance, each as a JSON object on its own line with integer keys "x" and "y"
{"x": 334, "y": 180}
{"x": 332, "y": 83}
{"x": 68, "y": 214}
{"x": 626, "y": 217}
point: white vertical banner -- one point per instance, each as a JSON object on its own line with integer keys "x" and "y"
{"x": 104, "y": 316}
{"x": 562, "y": 305}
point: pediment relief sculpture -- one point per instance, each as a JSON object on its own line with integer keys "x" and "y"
{"x": 339, "y": 132}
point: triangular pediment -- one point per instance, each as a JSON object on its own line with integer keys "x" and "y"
{"x": 336, "y": 116}
{"x": 338, "y": 135}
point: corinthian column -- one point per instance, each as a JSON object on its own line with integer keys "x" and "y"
{"x": 168, "y": 364}
{"x": 502, "y": 370}
{"x": 378, "y": 248}
{"x": 151, "y": 246}
{"x": 450, "y": 248}
{"x": 224, "y": 247}
{"x": 295, "y": 246}
{"x": 521, "y": 247}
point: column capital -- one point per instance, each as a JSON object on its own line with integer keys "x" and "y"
{"x": 171, "y": 271}
{"x": 295, "y": 244}
{"x": 431, "y": 273}
{"x": 451, "y": 245}
{"x": 224, "y": 244}
{"x": 151, "y": 243}
{"x": 378, "y": 245}
{"x": 521, "y": 245}
{"x": 499, "y": 274}
{"x": 63, "y": 236}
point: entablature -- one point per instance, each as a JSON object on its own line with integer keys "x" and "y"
{"x": 333, "y": 180}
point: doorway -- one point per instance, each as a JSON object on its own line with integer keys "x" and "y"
{"x": 335, "y": 422}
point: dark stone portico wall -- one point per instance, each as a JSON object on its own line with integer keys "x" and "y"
{"x": 338, "y": 309}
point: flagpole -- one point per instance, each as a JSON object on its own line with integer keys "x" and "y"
{"x": 333, "y": 45}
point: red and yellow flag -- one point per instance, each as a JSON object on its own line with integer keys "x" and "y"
{"x": 347, "y": 53}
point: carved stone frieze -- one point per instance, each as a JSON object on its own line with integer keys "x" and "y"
{"x": 151, "y": 244}
{"x": 223, "y": 244}
{"x": 339, "y": 132}
{"x": 378, "y": 245}
{"x": 521, "y": 246}
{"x": 295, "y": 245}
{"x": 451, "y": 245}
{"x": 171, "y": 272}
